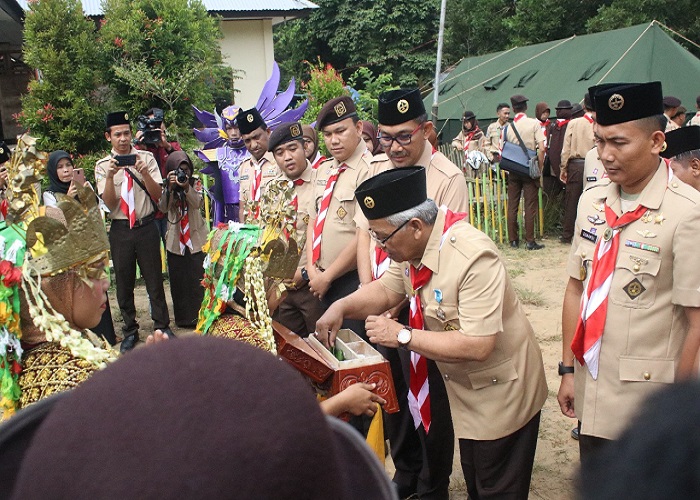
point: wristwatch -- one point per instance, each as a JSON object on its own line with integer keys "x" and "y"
{"x": 404, "y": 337}
{"x": 563, "y": 370}
{"x": 304, "y": 274}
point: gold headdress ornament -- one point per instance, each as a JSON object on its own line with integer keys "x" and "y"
{"x": 265, "y": 251}
{"x": 53, "y": 250}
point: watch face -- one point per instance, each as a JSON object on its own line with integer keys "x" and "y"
{"x": 404, "y": 336}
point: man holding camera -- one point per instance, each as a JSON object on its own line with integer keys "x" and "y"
{"x": 151, "y": 137}
{"x": 129, "y": 182}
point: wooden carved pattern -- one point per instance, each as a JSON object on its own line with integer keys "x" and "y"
{"x": 374, "y": 377}
{"x": 306, "y": 365}
{"x": 375, "y": 374}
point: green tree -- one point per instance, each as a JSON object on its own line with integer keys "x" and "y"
{"x": 164, "y": 53}
{"x": 64, "y": 108}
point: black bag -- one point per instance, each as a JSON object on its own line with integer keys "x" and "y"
{"x": 517, "y": 158}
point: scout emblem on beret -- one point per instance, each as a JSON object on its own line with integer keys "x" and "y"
{"x": 126, "y": 116}
{"x": 616, "y": 102}
{"x": 634, "y": 289}
{"x": 402, "y": 106}
{"x": 295, "y": 130}
{"x": 2, "y": 150}
{"x": 369, "y": 202}
{"x": 250, "y": 118}
{"x": 340, "y": 109}
{"x": 664, "y": 146}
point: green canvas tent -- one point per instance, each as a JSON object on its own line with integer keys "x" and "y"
{"x": 564, "y": 69}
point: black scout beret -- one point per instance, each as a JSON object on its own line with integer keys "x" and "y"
{"x": 681, "y": 140}
{"x": 117, "y": 118}
{"x": 284, "y": 133}
{"x": 391, "y": 192}
{"x": 336, "y": 110}
{"x": 624, "y": 102}
{"x": 399, "y": 106}
{"x": 249, "y": 120}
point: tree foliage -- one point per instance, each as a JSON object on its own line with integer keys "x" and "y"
{"x": 66, "y": 105}
{"x": 163, "y": 53}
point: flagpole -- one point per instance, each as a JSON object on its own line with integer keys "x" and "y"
{"x": 438, "y": 63}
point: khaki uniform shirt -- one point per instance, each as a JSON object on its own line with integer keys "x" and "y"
{"x": 656, "y": 275}
{"x": 695, "y": 120}
{"x": 593, "y": 169}
{"x": 670, "y": 124}
{"x": 529, "y": 129}
{"x": 270, "y": 171}
{"x": 198, "y": 228}
{"x": 493, "y": 398}
{"x": 474, "y": 145}
{"x": 142, "y": 200}
{"x": 493, "y": 139}
{"x": 305, "y": 200}
{"x": 578, "y": 140}
{"x": 339, "y": 228}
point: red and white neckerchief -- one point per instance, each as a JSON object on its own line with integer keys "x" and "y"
{"x": 562, "y": 121}
{"x": 185, "y": 239}
{"x": 4, "y": 205}
{"x": 589, "y": 117}
{"x": 256, "y": 186}
{"x": 319, "y": 159}
{"x": 594, "y": 302}
{"x": 419, "y": 388}
{"x": 517, "y": 117}
{"x": 128, "y": 202}
{"x": 380, "y": 263}
{"x": 322, "y": 212}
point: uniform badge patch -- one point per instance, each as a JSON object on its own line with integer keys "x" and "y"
{"x": 588, "y": 236}
{"x": 595, "y": 219}
{"x": 342, "y": 212}
{"x": 340, "y": 109}
{"x": 642, "y": 246}
{"x": 634, "y": 289}
{"x": 600, "y": 207}
{"x": 646, "y": 234}
{"x": 306, "y": 219}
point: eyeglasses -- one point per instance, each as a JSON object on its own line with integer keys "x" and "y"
{"x": 383, "y": 241}
{"x": 403, "y": 139}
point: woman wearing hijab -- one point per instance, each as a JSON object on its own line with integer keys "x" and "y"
{"x": 60, "y": 170}
{"x": 369, "y": 135}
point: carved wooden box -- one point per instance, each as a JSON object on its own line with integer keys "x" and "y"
{"x": 362, "y": 363}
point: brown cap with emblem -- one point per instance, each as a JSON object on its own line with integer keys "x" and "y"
{"x": 284, "y": 133}
{"x": 249, "y": 120}
{"x": 681, "y": 140}
{"x": 399, "y": 106}
{"x": 518, "y": 99}
{"x": 336, "y": 110}
{"x": 391, "y": 192}
{"x": 624, "y": 102}
{"x": 117, "y": 118}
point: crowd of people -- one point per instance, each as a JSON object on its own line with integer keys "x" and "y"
{"x": 379, "y": 242}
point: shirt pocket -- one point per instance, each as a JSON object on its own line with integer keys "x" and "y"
{"x": 635, "y": 280}
{"x": 344, "y": 206}
{"x": 482, "y": 377}
{"x": 442, "y": 317}
{"x": 637, "y": 369}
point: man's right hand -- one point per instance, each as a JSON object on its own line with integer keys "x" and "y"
{"x": 112, "y": 168}
{"x": 328, "y": 325}
{"x": 566, "y": 395}
{"x": 563, "y": 175}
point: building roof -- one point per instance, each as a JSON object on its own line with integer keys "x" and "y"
{"x": 564, "y": 69}
{"x": 228, "y": 9}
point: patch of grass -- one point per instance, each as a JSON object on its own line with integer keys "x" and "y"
{"x": 530, "y": 297}
{"x": 515, "y": 272}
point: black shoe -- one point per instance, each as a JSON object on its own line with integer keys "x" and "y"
{"x": 533, "y": 245}
{"x": 574, "y": 433}
{"x": 514, "y": 244}
{"x": 168, "y": 332}
{"x": 129, "y": 342}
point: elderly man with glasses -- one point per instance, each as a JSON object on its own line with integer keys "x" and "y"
{"x": 423, "y": 461}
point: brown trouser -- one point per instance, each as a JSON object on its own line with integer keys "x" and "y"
{"x": 529, "y": 187}
{"x": 299, "y": 311}
{"x": 574, "y": 188}
{"x": 500, "y": 468}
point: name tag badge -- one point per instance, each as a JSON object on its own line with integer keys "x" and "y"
{"x": 588, "y": 236}
{"x": 591, "y": 179}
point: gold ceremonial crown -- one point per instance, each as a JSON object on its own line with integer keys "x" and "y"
{"x": 56, "y": 247}
{"x": 24, "y": 172}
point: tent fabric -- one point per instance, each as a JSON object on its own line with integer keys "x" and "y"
{"x": 564, "y": 69}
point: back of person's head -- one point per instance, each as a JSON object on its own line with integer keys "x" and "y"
{"x": 657, "y": 457}
{"x": 198, "y": 418}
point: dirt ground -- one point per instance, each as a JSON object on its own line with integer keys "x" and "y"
{"x": 540, "y": 279}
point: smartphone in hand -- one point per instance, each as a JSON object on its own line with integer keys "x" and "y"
{"x": 125, "y": 160}
{"x": 79, "y": 176}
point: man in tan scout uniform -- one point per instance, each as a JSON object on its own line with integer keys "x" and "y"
{"x": 578, "y": 141}
{"x": 403, "y": 132}
{"x": 683, "y": 152}
{"x": 494, "y": 130}
{"x": 631, "y": 313}
{"x": 530, "y": 130}
{"x": 300, "y": 310}
{"x": 133, "y": 236}
{"x": 332, "y": 236}
{"x": 466, "y": 316}
{"x": 260, "y": 168}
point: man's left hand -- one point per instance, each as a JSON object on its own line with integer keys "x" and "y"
{"x": 383, "y": 331}
{"x": 319, "y": 284}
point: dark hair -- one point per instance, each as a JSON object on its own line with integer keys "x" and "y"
{"x": 519, "y": 108}
{"x": 654, "y": 123}
{"x": 688, "y": 155}
{"x": 501, "y": 105}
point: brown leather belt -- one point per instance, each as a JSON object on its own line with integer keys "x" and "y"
{"x": 139, "y": 222}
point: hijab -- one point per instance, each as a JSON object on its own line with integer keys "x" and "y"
{"x": 56, "y": 185}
